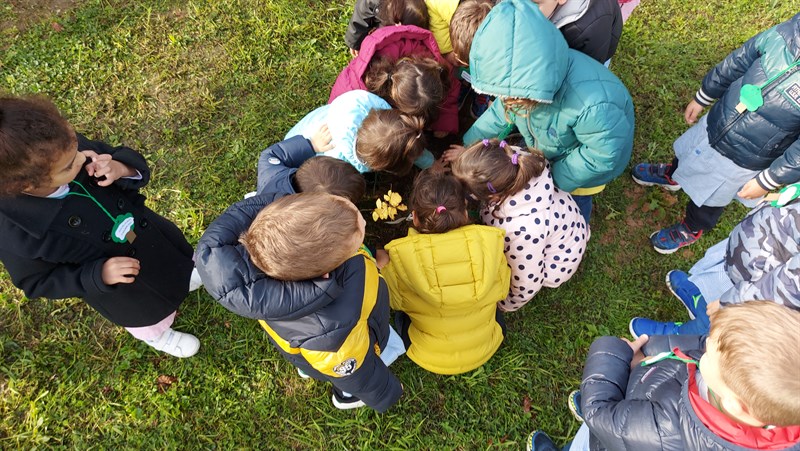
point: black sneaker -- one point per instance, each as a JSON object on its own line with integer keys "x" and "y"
{"x": 346, "y": 403}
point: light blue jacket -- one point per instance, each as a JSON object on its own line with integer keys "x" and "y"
{"x": 344, "y": 117}
{"x": 584, "y": 122}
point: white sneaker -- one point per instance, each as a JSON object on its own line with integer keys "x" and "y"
{"x": 194, "y": 281}
{"x": 346, "y": 403}
{"x": 302, "y": 374}
{"x": 178, "y": 344}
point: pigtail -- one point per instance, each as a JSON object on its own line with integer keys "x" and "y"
{"x": 416, "y": 85}
{"x": 390, "y": 141}
{"x": 437, "y": 200}
{"x": 379, "y": 77}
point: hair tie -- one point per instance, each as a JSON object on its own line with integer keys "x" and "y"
{"x": 486, "y": 143}
{"x": 441, "y": 208}
{"x": 503, "y": 144}
{"x": 491, "y": 188}
{"x": 515, "y": 159}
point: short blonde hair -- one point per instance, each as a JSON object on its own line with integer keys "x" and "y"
{"x": 465, "y": 22}
{"x": 759, "y": 358}
{"x": 302, "y": 236}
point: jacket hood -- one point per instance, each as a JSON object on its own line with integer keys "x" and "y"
{"x": 569, "y": 12}
{"x": 518, "y": 53}
{"x": 790, "y": 31}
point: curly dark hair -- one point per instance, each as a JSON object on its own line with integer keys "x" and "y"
{"x": 33, "y": 135}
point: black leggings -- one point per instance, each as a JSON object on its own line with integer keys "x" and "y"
{"x": 698, "y": 218}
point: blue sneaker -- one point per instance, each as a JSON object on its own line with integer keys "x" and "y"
{"x": 644, "y": 326}
{"x": 648, "y": 174}
{"x": 672, "y": 238}
{"x": 539, "y": 441}
{"x": 687, "y": 292}
{"x": 480, "y": 103}
{"x": 574, "y": 404}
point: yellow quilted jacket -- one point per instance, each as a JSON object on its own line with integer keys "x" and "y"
{"x": 441, "y": 13}
{"x": 449, "y": 284}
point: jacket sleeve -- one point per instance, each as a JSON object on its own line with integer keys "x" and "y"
{"x": 599, "y": 39}
{"x": 785, "y": 170}
{"x": 608, "y": 414}
{"x": 363, "y": 20}
{"x": 124, "y": 155}
{"x": 448, "y": 112}
{"x": 730, "y": 69}
{"x": 781, "y": 285}
{"x": 281, "y": 157}
{"x": 372, "y": 383}
{"x": 440, "y": 14}
{"x": 39, "y": 278}
{"x": 605, "y": 135}
{"x": 489, "y": 125}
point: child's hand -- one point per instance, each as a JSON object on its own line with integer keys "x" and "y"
{"x": 120, "y": 270}
{"x": 103, "y": 166}
{"x": 712, "y": 307}
{"x": 450, "y": 57}
{"x": 322, "y": 140}
{"x": 439, "y": 134}
{"x": 751, "y": 190}
{"x": 450, "y": 155}
{"x": 636, "y": 346}
{"x": 439, "y": 165}
{"x": 381, "y": 258}
{"x": 353, "y": 53}
{"x": 693, "y": 109}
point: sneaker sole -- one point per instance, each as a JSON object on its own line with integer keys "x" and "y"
{"x": 630, "y": 329}
{"x": 352, "y": 405}
{"x": 669, "y": 286}
{"x": 573, "y": 409}
{"x": 671, "y": 188}
{"x": 659, "y": 250}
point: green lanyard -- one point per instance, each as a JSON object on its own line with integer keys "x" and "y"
{"x": 667, "y": 355}
{"x": 509, "y": 128}
{"x": 122, "y": 230}
{"x": 787, "y": 194}
{"x": 750, "y": 96}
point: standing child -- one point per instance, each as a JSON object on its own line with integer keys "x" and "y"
{"x": 563, "y": 102}
{"x": 371, "y": 14}
{"x": 545, "y": 233}
{"x": 445, "y": 279}
{"x": 296, "y": 265}
{"x": 367, "y": 133}
{"x": 592, "y": 27}
{"x": 74, "y": 225}
{"x": 747, "y": 144}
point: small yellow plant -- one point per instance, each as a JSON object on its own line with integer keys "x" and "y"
{"x": 388, "y": 207}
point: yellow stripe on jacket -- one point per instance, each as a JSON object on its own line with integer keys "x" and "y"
{"x": 349, "y": 357}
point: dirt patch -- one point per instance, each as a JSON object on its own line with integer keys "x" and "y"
{"x": 25, "y": 13}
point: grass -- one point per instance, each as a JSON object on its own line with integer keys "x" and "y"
{"x": 201, "y": 87}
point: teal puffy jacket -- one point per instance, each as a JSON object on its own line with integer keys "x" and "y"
{"x": 584, "y": 122}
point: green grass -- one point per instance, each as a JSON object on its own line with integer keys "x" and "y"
{"x": 200, "y": 88}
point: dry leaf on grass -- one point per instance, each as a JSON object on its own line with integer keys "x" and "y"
{"x": 57, "y": 27}
{"x": 526, "y": 404}
{"x": 164, "y": 382}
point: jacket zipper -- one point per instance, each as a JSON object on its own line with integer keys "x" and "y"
{"x": 764, "y": 92}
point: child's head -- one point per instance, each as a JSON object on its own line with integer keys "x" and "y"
{"x": 492, "y": 171}
{"x": 38, "y": 147}
{"x": 751, "y": 363}
{"x": 437, "y": 202}
{"x": 303, "y": 236}
{"x": 330, "y": 175}
{"x": 390, "y": 141}
{"x": 403, "y": 12}
{"x": 416, "y": 85}
{"x": 465, "y": 22}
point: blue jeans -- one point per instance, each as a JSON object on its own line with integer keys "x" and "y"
{"x": 585, "y": 206}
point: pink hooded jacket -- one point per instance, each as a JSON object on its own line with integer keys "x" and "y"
{"x": 398, "y": 41}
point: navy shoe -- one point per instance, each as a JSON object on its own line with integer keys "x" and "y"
{"x": 539, "y": 441}
{"x": 345, "y": 403}
{"x": 644, "y": 326}
{"x": 574, "y": 404}
{"x": 674, "y": 237}
{"x": 687, "y": 292}
{"x": 648, "y": 174}
{"x": 480, "y": 103}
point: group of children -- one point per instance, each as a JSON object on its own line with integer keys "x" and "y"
{"x": 292, "y": 256}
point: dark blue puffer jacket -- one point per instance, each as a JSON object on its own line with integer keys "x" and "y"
{"x": 279, "y": 162}
{"x": 766, "y": 139}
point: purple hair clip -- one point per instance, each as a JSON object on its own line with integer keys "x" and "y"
{"x": 491, "y": 188}
{"x": 515, "y": 159}
{"x": 485, "y": 143}
{"x": 503, "y": 144}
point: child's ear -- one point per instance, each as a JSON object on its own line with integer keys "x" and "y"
{"x": 734, "y": 407}
{"x": 414, "y": 219}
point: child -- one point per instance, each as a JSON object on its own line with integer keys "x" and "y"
{"x": 367, "y": 133}
{"x": 759, "y": 260}
{"x": 445, "y": 279}
{"x": 371, "y": 14}
{"x": 403, "y": 65}
{"x": 747, "y": 144}
{"x": 545, "y": 233}
{"x": 74, "y": 225}
{"x": 741, "y": 395}
{"x": 288, "y": 167}
{"x": 592, "y": 27}
{"x": 564, "y": 103}
{"x": 297, "y": 268}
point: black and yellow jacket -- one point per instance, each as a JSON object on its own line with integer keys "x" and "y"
{"x": 333, "y": 329}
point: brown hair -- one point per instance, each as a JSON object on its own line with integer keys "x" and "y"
{"x": 302, "y": 236}
{"x": 330, "y": 175}
{"x": 33, "y": 136}
{"x": 465, "y": 22}
{"x": 416, "y": 85}
{"x": 403, "y": 12}
{"x": 438, "y": 202}
{"x": 489, "y": 166}
{"x": 759, "y": 357}
{"x": 390, "y": 141}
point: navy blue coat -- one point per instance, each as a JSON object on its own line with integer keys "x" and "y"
{"x": 278, "y": 163}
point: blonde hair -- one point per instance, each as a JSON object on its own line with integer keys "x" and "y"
{"x": 759, "y": 358}
{"x": 465, "y": 22}
{"x": 302, "y": 236}
{"x": 390, "y": 141}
